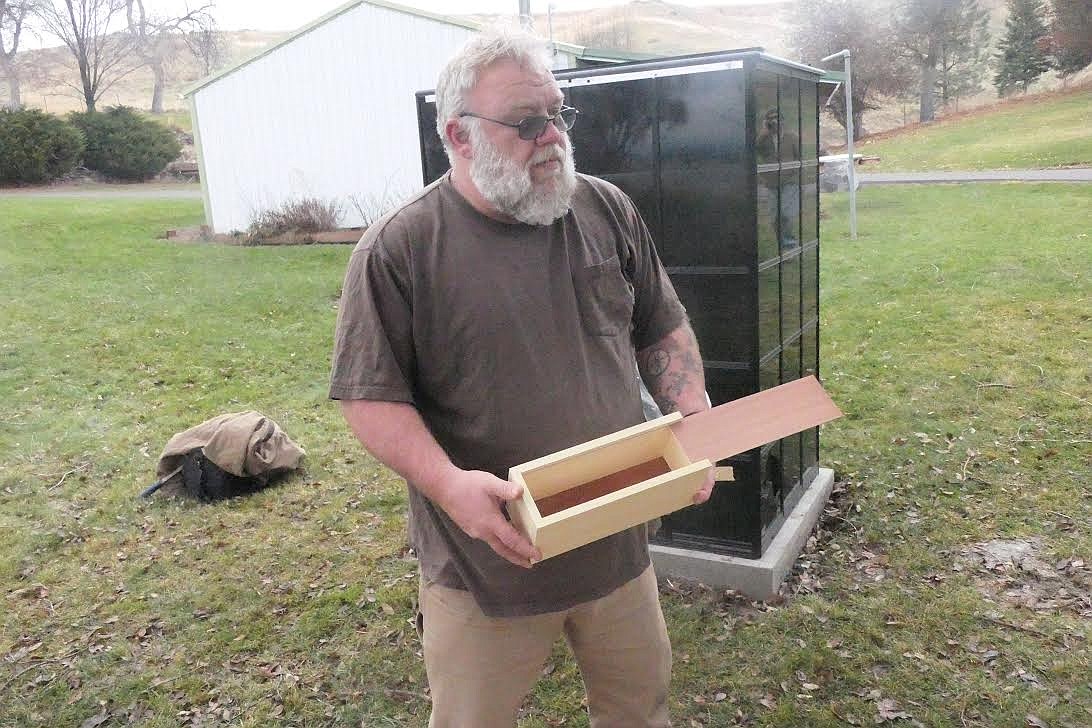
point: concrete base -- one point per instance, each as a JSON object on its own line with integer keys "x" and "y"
{"x": 757, "y": 578}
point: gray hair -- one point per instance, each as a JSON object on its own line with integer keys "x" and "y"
{"x": 461, "y": 73}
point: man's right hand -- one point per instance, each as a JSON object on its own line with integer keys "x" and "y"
{"x": 473, "y": 498}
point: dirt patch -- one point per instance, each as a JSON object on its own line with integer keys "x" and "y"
{"x": 1017, "y": 573}
{"x": 202, "y": 234}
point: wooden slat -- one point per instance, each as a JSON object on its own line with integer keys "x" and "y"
{"x": 752, "y": 421}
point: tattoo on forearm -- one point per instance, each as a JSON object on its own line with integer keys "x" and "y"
{"x": 669, "y": 374}
{"x": 656, "y": 362}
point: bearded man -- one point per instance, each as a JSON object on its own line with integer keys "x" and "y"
{"x": 492, "y": 319}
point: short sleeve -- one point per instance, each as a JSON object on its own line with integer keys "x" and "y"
{"x": 373, "y": 347}
{"x": 657, "y": 310}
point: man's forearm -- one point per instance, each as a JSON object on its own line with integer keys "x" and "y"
{"x": 672, "y": 370}
{"x": 395, "y": 434}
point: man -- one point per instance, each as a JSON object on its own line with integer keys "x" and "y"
{"x": 491, "y": 320}
{"x": 771, "y": 146}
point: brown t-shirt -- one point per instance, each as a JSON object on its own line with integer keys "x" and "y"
{"x": 512, "y": 341}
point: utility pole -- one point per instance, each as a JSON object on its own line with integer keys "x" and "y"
{"x": 525, "y": 20}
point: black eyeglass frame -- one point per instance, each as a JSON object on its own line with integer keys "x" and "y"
{"x": 533, "y": 127}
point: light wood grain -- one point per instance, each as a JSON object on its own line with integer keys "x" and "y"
{"x": 750, "y": 422}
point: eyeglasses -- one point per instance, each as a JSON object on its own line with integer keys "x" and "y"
{"x": 532, "y": 127}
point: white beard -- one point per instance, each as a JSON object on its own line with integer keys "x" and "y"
{"x": 509, "y": 188}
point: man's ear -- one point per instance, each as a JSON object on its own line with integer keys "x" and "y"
{"x": 459, "y": 138}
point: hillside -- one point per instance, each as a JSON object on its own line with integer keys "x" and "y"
{"x": 53, "y": 82}
{"x": 642, "y": 26}
{"x": 652, "y": 26}
{"x": 647, "y": 26}
{"x": 1037, "y": 131}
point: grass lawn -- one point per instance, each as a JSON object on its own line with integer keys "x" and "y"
{"x": 1048, "y": 131}
{"x": 955, "y": 337}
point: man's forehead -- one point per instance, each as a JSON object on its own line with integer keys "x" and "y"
{"x": 517, "y": 84}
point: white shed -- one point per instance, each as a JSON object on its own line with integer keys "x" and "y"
{"x": 327, "y": 113}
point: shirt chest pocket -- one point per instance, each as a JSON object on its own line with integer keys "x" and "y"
{"x": 605, "y": 298}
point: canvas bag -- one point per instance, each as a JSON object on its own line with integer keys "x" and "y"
{"x": 228, "y": 455}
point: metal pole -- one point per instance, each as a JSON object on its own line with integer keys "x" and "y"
{"x": 525, "y": 20}
{"x": 852, "y": 161}
{"x": 849, "y": 139}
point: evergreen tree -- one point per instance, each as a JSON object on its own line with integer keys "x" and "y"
{"x": 1071, "y": 35}
{"x": 964, "y": 52}
{"x": 1022, "y": 55}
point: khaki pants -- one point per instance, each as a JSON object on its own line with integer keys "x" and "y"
{"x": 480, "y": 668}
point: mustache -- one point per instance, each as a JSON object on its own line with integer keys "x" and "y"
{"x": 554, "y": 152}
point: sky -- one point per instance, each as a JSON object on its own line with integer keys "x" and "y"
{"x": 282, "y": 15}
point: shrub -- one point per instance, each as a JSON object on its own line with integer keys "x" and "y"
{"x": 305, "y": 215}
{"x": 36, "y": 147}
{"x": 124, "y": 145}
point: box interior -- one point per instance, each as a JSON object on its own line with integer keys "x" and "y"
{"x": 604, "y": 470}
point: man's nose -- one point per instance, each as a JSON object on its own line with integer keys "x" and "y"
{"x": 550, "y": 135}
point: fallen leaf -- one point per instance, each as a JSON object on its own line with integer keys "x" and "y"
{"x": 887, "y": 709}
{"x": 96, "y": 720}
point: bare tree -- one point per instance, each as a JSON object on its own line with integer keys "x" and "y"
{"x": 928, "y": 30}
{"x": 153, "y": 40}
{"x": 85, "y": 26}
{"x": 14, "y": 18}
{"x": 822, "y": 27}
{"x": 208, "y": 46}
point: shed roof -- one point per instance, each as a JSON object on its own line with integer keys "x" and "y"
{"x": 576, "y": 50}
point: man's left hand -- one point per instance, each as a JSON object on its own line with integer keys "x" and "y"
{"x": 706, "y": 489}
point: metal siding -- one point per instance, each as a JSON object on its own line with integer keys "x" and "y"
{"x": 330, "y": 115}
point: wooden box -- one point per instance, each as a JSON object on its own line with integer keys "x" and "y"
{"x": 603, "y": 486}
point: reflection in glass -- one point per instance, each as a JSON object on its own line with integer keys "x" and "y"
{"x": 613, "y": 140}
{"x": 770, "y": 487}
{"x": 809, "y": 439}
{"x": 790, "y": 361}
{"x": 769, "y": 310}
{"x": 769, "y": 372}
{"x": 809, "y": 112}
{"x": 809, "y": 283}
{"x": 790, "y": 465}
{"x": 702, "y": 144}
{"x": 615, "y": 129}
{"x": 767, "y": 215}
{"x": 809, "y": 228}
{"x": 787, "y": 123}
{"x": 790, "y": 297}
{"x": 716, "y": 309}
{"x": 809, "y": 351}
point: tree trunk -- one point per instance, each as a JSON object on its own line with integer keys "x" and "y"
{"x": 858, "y": 125}
{"x": 14, "y": 99}
{"x": 88, "y": 86}
{"x": 926, "y": 110}
{"x": 7, "y": 68}
{"x": 157, "y": 88}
